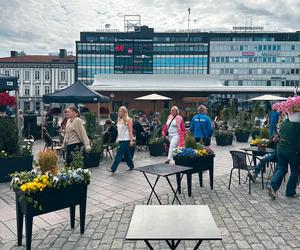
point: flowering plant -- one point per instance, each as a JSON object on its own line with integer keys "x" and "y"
{"x": 35, "y": 181}
{"x": 260, "y": 141}
{"x": 7, "y": 100}
{"x": 291, "y": 105}
{"x": 24, "y": 149}
{"x": 190, "y": 152}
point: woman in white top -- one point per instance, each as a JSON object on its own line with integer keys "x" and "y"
{"x": 125, "y": 139}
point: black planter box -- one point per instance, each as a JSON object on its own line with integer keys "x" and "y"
{"x": 242, "y": 136}
{"x": 92, "y": 159}
{"x": 11, "y": 165}
{"x": 224, "y": 140}
{"x": 255, "y": 134}
{"x": 50, "y": 200}
{"x": 199, "y": 164}
{"x": 156, "y": 149}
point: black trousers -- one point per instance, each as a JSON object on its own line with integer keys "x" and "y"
{"x": 70, "y": 149}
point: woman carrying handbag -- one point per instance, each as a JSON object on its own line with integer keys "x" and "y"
{"x": 125, "y": 139}
{"x": 174, "y": 130}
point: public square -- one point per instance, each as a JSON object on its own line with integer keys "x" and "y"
{"x": 245, "y": 221}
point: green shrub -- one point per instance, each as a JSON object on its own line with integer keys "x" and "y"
{"x": 190, "y": 142}
{"x": 90, "y": 124}
{"x": 9, "y": 140}
{"x": 264, "y": 133}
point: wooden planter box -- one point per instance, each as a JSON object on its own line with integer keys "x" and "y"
{"x": 92, "y": 159}
{"x": 156, "y": 149}
{"x": 224, "y": 140}
{"x": 11, "y": 165}
{"x": 50, "y": 200}
{"x": 199, "y": 164}
{"x": 242, "y": 136}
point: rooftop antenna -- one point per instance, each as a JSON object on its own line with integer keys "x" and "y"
{"x": 189, "y": 15}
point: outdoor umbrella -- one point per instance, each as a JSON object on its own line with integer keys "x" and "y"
{"x": 153, "y": 97}
{"x": 267, "y": 98}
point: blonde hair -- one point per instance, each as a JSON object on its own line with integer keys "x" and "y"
{"x": 125, "y": 117}
{"x": 176, "y": 108}
{"x": 202, "y": 109}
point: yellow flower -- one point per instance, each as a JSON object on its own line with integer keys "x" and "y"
{"x": 23, "y": 187}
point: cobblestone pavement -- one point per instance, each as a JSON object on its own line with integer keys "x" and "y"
{"x": 245, "y": 221}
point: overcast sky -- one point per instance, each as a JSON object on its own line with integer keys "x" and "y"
{"x": 43, "y": 26}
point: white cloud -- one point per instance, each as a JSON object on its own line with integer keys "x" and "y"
{"x": 39, "y": 27}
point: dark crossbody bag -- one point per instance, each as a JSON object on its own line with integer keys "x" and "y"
{"x": 167, "y": 134}
{"x": 205, "y": 140}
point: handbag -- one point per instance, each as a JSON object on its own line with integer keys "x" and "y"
{"x": 167, "y": 134}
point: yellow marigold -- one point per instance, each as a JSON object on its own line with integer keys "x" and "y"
{"x": 23, "y": 187}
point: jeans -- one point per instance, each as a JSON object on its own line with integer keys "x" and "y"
{"x": 267, "y": 158}
{"x": 123, "y": 150}
{"x": 70, "y": 149}
{"x": 272, "y": 130}
{"x": 286, "y": 158}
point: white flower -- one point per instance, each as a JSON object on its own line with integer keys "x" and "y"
{"x": 55, "y": 179}
{"x": 31, "y": 140}
{"x": 2, "y": 151}
{"x": 16, "y": 179}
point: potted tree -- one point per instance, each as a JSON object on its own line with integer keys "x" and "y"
{"x": 243, "y": 127}
{"x": 92, "y": 159}
{"x": 15, "y": 152}
{"x": 156, "y": 146}
{"x": 224, "y": 137}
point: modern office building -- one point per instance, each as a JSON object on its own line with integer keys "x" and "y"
{"x": 238, "y": 58}
{"x": 39, "y": 75}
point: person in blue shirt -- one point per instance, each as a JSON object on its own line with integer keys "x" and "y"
{"x": 201, "y": 126}
{"x": 273, "y": 120}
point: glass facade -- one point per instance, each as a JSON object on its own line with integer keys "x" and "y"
{"x": 241, "y": 59}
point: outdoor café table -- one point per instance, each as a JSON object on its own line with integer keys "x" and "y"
{"x": 172, "y": 224}
{"x": 162, "y": 170}
{"x": 256, "y": 151}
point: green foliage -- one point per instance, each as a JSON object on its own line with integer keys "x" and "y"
{"x": 97, "y": 145}
{"x": 163, "y": 116}
{"x": 227, "y": 114}
{"x": 233, "y": 109}
{"x": 190, "y": 142}
{"x": 258, "y": 111}
{"x": 243, "y": 121}
{"x": 77, "y": 160}
{"x": 226, "y": 132}
{"x": 9, "y": 141}
{"x": 132, "y": 112}
{"x": 264, "y": 133}
{"x": 156, "y": 140}
{"x": 90, "y": 124}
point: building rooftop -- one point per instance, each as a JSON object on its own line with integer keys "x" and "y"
{"x": 187, "y": 83}
{"x": 38, "y": 59}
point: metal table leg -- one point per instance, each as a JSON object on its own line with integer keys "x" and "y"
{"x": 172, "y": 244}
{"x": 198, "y": 244}
{"x": 152, "y": 188}
{"x": 175, "y": 192}
{"x": 149, "y": 245}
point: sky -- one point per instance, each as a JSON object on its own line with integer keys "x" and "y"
{"x": 43, "y": 26}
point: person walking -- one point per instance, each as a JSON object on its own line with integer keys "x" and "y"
{"x": 125, "y": 139}
{"x": 287, "y": 154}
{"x": 75, "y": 134}
{"x": 201, "y": 126}
{"x": 174, "y": 130}
{"x": 272, "y": 122}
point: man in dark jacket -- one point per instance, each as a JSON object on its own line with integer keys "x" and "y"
{"x": 287, "y": 154}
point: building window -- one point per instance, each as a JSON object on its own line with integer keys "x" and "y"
{"x": 27, "y": 90}
{"x": 37, "y": 75}
{"x": 6, "y": 72}
{"x": 62, "y": 76}
{"x": 47, "y": 90}
{"x": 17, "y": 73}
{"x": 37, "y": 90}
{"x": 27, "y": 75}
{"x": 47, "y": 75}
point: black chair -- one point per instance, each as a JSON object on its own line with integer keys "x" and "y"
{"x": 108, "y": 144}
{"x": 243, "y": 161}
{"x": 53, "y": 144}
